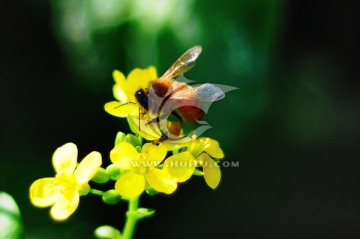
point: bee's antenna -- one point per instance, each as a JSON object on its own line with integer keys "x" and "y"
{"x": 125, "y": 104}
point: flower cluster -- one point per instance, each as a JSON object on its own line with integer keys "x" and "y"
{"x": 151, "y": 168}
{"x": 156, "y": 166}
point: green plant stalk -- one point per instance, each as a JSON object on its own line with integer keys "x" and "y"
{"x": 96, "y": 192}
{"x": 131, "y": 218}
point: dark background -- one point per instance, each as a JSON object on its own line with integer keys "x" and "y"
{"x": 292, "y": 126}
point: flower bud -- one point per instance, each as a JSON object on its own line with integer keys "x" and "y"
{"x": 111, "y": 197}
{"x": 106, "y": 232}
{"x": 101, "y": 176}
{"x": 151, "y": 191}
{"x": 113, "y": 170}
{"x": 84, "y": 189}
{"x": 120, "y": 137}
{"x": 131, "y": 139}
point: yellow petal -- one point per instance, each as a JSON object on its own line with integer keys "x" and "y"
{"x": 65, "y": 206}
{"x": 64, "y": 158}
{"x": 170, "y": 145}
{"x": 212, "y": 172}
{"x": 118, "y": 109}
{"x": 144, "y": 129}
{"x": 212, "y": 147}
{"x": 119, "y": 93}
{"x": 141, "y": 78}
{"x": 87, "y": 167}
{"x": 123, "y": 154}
{"x": 120, "y": 88}
{"x": 130, "y": 185}
{"x": 160, "y": 181}
{"x": 180, "y": 166}
{"x": 123, "y": 88}
{"x": 153, "y": 153}
{"x": 119, "y": 77}
{"x": 44, "y": 192}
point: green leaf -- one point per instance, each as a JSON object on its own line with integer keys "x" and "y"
{"x": 101, "y": 176}
{"x": 10, "y": 219}
{"x": 107, "y": 232}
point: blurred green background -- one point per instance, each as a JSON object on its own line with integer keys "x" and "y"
{"x": 292, "y": 126}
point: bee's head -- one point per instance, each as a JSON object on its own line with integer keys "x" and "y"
{"x": 142, "y": 98}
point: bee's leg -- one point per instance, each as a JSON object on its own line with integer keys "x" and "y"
{"x": 139, "y": 118}
{"x": 157, "y": 119}
{"x": 163, "y": 137}
{"x": 154, "y": 120}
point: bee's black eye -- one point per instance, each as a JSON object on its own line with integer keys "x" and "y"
{"x": 142, "y": 98}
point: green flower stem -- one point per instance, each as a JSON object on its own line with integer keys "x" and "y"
{"x": 96, "y": 192}
{"x": 131, "y": 218}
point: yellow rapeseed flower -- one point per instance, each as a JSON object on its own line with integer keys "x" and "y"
{"x": 62, "y": 192}
{"x": 140, "y": 169}
{"x": 124, "y": 91}
{"x": 127, "y": 106}
{"x": 205, "y": 152}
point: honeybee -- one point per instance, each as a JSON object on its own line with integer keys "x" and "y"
{"x": 166, "y": 96}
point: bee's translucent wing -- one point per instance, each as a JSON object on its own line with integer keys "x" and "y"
{"x": 183, "y": 64}
{"x": 209, "y": 93}
{"x": 205, "y": 93}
